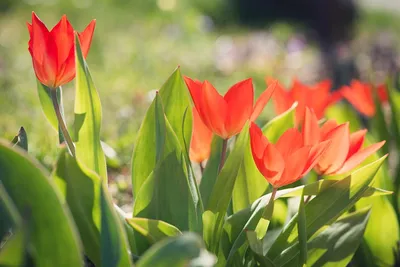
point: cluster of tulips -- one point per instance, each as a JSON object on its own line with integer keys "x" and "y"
{"x": 329, "y": 148}
{"x": 160, "y": 164}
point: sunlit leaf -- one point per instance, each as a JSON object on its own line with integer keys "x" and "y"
{"x": 114, "y": 249}
{"x": 214, "y": 216}
{"x": 87, "y": 121}
{"x": 37, "y": 198}
{"x": 185, "y": 250}
{"x": 277, "y": 126}
{"x": 153, "y": 230}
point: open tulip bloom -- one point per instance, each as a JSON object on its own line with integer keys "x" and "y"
{"x": 286, "y": 161}
{"x": 226, "y": 115}
{"x": 53, "y": 52}
{"x": 344, "y": 152}
{"x": 317, "y": 97}
{"x": 360, "y": 95}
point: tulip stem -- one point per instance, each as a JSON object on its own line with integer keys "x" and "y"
{"x": 308, "y": 198}
{"x": 223, "y": 154}
{"x": 201, "y": 167}
{"x": 61, "y": 122}
{"x": 274, "y": 190}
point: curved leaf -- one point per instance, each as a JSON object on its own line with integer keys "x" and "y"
{"x": 36, "y": 196}
{"x": 87, "y": 121}
{"x": 278, "y": 125}
{"x": 185, "y": 250}
{"x": 153, "y": 230}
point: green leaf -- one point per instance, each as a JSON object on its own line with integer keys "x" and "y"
{"x": 46, "y": 102}
{"x": 176, "y": 101}
{"x": 153, "y": 230}
{"x": 53, "y": 232}
{"x": 114, "y": 248}
{"x": 302, "y": 232}
{"x": 214, "y": 216}
{"x": 151, "y": 139}
{"x": 13, "y": 251}
{"x": 80, "y": 188}
{"x": 165, "y": 194}
{"x": 277, "y": 126}
{"x": 257, "y": 246}
{"x": 250, "y": 183}
{"x": 325, "y": 208}
{"x": 21, "y": 139}
{"x": 378, "y": 126}
{"x": 87, "y": 121}
{"x": 44, "y": 93}
{"x": 382, "y": 233}
{"x": 336, "y": 245}
{"x": 185, "y": 250}
{"x": 211, "y": 170}
{"x": 10, "y": 216}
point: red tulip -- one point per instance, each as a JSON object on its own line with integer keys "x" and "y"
{"x": 200, "y": 145}
{"x": 317, "y": 97}
{"x": 345, "y": 150}
{"x": 286, "y": 161}
{"x": 53, "y": 52}
{"x": 360, "y": 95}
{"x": 226, "y": 115}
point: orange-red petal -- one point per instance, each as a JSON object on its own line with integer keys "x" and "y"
{"x": 214, "y": 109}
{"x": 359, "y": 157}
{"x": 336, "y": 153}
{"x": 263, "y": 100}
{"x": 200, "y": 145}
{"x": 310, "y": 131}
{"x": 86, "y": 36}
{"x": 290, "y": 141}
{"x": 239, "y": 101}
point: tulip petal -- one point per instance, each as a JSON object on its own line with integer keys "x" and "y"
{"x": 359, "y": 157}
{"x": 258, "y": 142}
{"x": 335, "y": 155}
{"x": 263, "y": 100}
{"x": 214, "y": 109}
{"x": 356, "y": 142}
{"x": 311, "y": 135}
{"x": 327, "y": 127}
{"x": 63, "y": 36}
{"x": 67, "y": 71}
{"x": 282, "y": 99}
{"x": 200, "y": 145}
{"x": 290, "y": 141}
{"x": 85, "y": 37}
{"x": 239, "y": 100}
{"x": 314, "y": 156}
{"x": 360, "y": 96}
{"x": 273, "y": 166}
{"x": 39, "y": 38}
{"x": 294, "y": 166}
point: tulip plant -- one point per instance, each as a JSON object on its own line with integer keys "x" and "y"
{"x": 211, "y": 185}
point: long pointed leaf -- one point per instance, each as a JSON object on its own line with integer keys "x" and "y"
{"x": 87, "y": 121}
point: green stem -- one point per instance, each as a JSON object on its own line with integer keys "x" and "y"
{"x": 223, "y": 155}
{"x": 61, "y": 122}
{"x": 201, "y": 168}
{"x": 274, "y": 190}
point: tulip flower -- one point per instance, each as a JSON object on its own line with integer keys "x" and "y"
{"x": 318, "y": 97}
{"x": 360, "y": 95}
{"x": 345, "y": 150}
{"x": 200, "y": 145}
{"x": 226, "y": 115}
{"x": 53, "y": 52}
{"x": 286, "y": 161}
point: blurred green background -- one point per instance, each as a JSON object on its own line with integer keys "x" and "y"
{"x": 138, "y": 44}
